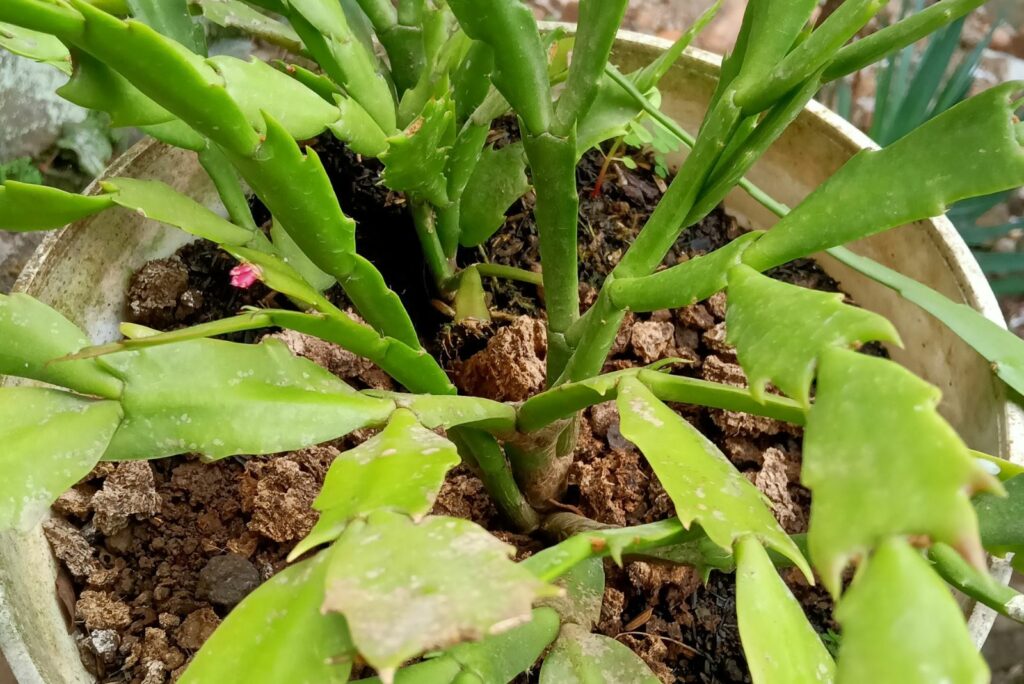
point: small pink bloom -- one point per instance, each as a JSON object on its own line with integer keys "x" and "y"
{"x": 244, "y": 275}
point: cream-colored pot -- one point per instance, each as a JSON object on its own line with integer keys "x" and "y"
{"x": 83, "y": 271}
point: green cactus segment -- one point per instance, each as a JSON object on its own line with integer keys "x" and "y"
{"x": 233, "y": 14}
{"x": 298, "y": 192}
{"x": 808, "y": 56}
{"x": 415, "y": 160}
{"x": 772, "y": 26}
{"x": 498, "y": 658}
{"x": 902, "y": 626}
{"x": 400, "y": 469}
{"x": 466, "y": 586}
{"x": 779, "y": 330}
{"x": 497, "y": 182}
{"x": 27, "y": 207}
{"x": 878, "y": 469}
{"x": 433, "y": 411}
{"x": 161, "y": 202}
{"x": 39, "y": 47}
{"x": 683, "y": 284}
{"x": 51, "y": 439}
{"x": 357, "y": 128}
{"x": 172, "y": 19}
{"x": 327, "y": 34}
{"x": 198, "y": 95}
{"x": 94, "y": 85}
{"x": 780, "y": 644}
{"x": 259, "y": 88}
{"x": 297, "y": 643}
{"x": 290, "y": 253}
{"x": 32, "y": 339}
{"x": 704, "y": 486}
{"x": 520, "y": 62}
{"x": 220, "y": 399}
{"x": 579, "y": 657}
{"x": 873, "y": 191}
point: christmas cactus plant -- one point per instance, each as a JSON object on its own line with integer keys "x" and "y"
{"x": 897, "y": 495}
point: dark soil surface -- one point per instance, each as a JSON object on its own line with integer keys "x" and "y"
{"x": 156, "y": 553}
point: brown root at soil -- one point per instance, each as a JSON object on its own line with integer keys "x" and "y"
{"x": 157, "y": 553}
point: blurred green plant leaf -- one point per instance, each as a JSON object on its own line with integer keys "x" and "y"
{"x": 498, "y": 180}
{"x": 700, "y": 480}
{"x": 400, "y": 469}
{"x": 407, "y": 587}
{"x": 278, "y": 634}
{"x": 579, "y": 657}
{"x": 415, "y": 160}
{"x": 999, "y": 518}
{"x": 220, "y": 398}
{"x": 998, "y": 345}
{"x": 873, "y": 192}
{"x": 89, "y": 140}
{"x": 902, "y": 626}
{"x": 780, "y": 644}
{"x": 233, "y": 14}
{"x": 51, "y": 440}
{"x": 33, "y": 336}
{"x": 877, "y": 469}
{"x": 779, "y": 330}
{"x": 172, "y": 19}
{"x": 40, "y": 47}
{"x": 21, "y": 170}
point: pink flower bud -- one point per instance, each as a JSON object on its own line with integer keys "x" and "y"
{"x": 244, "y": 275}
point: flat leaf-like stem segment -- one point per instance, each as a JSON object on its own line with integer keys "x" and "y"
{"x": 579, "y": 657}
{"x": 400, "y": 469}
{"x": 415, "y": 159}
{"x": 408, "y": 587}
{"x": 779, "y": 330}
{"x": 498, "y": 180}
{"x": 780, "y": 644}
{"x": 51, "y": 439}
{"x": 702, "y": 483}
{"x": 220, "y": 399}
{"x": 33, "y": 339}
{"x": 873, "y": 192}
{"x": 894, "y": 467}
{"x": 278, "y": 634}
{"x": 683, "y": 284}
{"x": 497, "y": 658}
{"x": 563, "y": 401}
{"x": 902, "y": 626}
{"x": 521, "y": 66}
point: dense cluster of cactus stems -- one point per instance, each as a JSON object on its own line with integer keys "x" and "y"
{"x": 426, "y": 598}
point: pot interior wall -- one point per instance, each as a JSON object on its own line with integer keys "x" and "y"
{"x": 83, "y": 271}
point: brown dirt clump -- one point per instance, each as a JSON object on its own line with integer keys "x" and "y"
{"x": 511, "y": 367}
{"x": 128, "y": 491}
